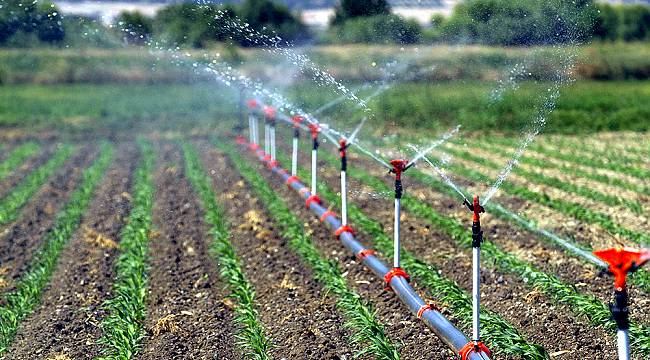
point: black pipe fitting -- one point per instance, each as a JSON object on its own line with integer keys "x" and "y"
{"x": 398, "y": 189}
{"x": 620, "y": 310}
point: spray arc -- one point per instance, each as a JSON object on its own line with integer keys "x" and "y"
{"x": 622, "y": 261}
{"x": 476, "y": 346}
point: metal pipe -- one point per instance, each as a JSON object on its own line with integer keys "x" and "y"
{"x": 396, "y": 245}
{"x": 432, "y": 318}
{"x": 476, "y": 294}
{"x": 344, "y": 198}
{"x": 294, "y": 156}
{"x": 314, "y": 160}
{"x": 273, "y": 141}
{"x": 623, "y": 342}
{"x": 267, "y": 130}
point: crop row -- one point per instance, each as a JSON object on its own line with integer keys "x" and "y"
{"x": 500, "y": 335}
{"x": 587, "y": 174}
{"x": 612, "y": 162}
{"x": 589, "y": 193}
{"x": 626, "y": 155}
{"x": 18, "y": 196}
{"x": 122, "y": 327}
{"x": 575, "y": 210}
{"x": 21, "y": 302}
{"x": 17, "y": 157}
{"x": 368, "y": 332}
{"x": 251, "y": 336}
{"x": 588, "y": 306}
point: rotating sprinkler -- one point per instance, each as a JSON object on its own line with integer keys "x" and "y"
{"x": 253, "y": 124}
{"x": 297, "y": 120}
{"x": 269, "y": 134}
{"x": 399, "y": 167}
{"x": 343, "y": 145}
{"x": 475, "y": 345}
{"x": 622, "y": 261}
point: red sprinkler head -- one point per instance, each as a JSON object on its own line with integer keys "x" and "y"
{"x": 475, "y": 207}
{"x": 399, "y": 166}
{"x": 252, "y": 103}
{"x": 623, "y": 261}
{"x": 297, "y": 120}
{"x": 314, "y": 129}
{"x": 269, "y": 112}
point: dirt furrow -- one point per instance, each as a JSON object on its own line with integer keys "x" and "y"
{"x": 187, "y": 310}
{"x": 19, "y": 240}
{"x": 30, "y": 164}
{"x": 67, "y": 322}
{"x": 300, "y": 317}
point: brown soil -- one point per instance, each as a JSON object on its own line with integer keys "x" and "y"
{"x": 20, "y": 240}
{"x": 29, "y": 165}
{"x": 67, "y": 322}
{"x": 187, "y": 310}
{"x": 415, "y": 340}
{"x": 299, "y": 316}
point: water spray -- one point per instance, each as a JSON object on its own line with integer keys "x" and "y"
{"x": 253, "y": 124}
{"x": 476, "y": 346}
{"x": 239, "y": 129}
{"x": 297, "y": 120}
{"x": 314, "y": 129}
{"x": 622, "y": 261}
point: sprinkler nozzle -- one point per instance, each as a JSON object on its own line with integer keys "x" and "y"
{"x": 297, "y": 120}
{"x": 475, "y": 207}
{"x": 399, "y": 166}
{"x": 252, "y": 103}
{"x": 269, "y": 112}
{"x": 623, "y": 261}
{"x": 314, "y": 129}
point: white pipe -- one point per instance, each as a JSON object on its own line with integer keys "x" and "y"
{"x": 623, "y": 341}
{"x": 272, "y": 142}
{"x": 267, "y": 138}
{"x": 294, "y": 157}
{"x": 476, "y": 293}
{"x": 344, "y": 199}
{"x": 396, "y": 245}
{"x": 256, "y": 133}
{"x": 314, "y": 159}
{"x": 250, "y": 130}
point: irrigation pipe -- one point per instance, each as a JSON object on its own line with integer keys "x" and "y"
{"x": 428, "y": 313}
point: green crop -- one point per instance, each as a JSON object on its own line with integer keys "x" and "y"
{"x": 17, "y": 157}
{"x": 22, "y": 301}
{"x": 251, "y": 334}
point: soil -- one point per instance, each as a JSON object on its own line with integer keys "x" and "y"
{"x": 68, "y": 321}
{"x": 298, "y": 314}
{"x": 21, "y": 239}
{"x": 29, "y": 165}
{"x": 188, "y": 315}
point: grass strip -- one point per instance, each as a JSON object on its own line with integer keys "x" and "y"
{"x": 501, "y": 336}
{"x": 367, "y": 332}
{"x": 591, "y": 175}
{"x": 586, "y": 159}
{"x": 589, "y": 193}
{"x": 17, "y": 198}
{"x": 17, "y": 157}
{"x": 582, "y": 305}
{"x": 569, "y": 208}
{"x": 22, "y": 301}
{"x": 122, "y": 328}
{"x": 251, "y": 331}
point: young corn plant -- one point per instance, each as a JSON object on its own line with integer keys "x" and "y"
{"x": 122, "y": 328}
{"x": 19, "y": 196}
{"x": 252, "y": 338}
{"x": 589, "y": 193}
{"x": 368, "y": 332}
{"x": 17, "y": 157}
{"x": 498, "y": 333}
{"x": 22, "y": 301}
{"x": 577, "y": 211}
{"x": 583, "y": 305}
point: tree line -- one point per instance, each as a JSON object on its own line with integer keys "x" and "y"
{"x": 490, "y": 22}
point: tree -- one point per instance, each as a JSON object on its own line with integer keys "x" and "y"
{"x": 636, "y": 22}
{"x": 608, "y": 23}
{"x": 272, "y": 18}
{"x": 135, "y": 27}
{"x": 41, "y": 18}
{"x": 350, "y": 9}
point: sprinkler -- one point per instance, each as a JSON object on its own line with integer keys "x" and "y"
{"x": 399, "y": 167}
{"x": 297, "y": 120}
{"x": 252, "y": 124}
{"x": 476, "y": 346}
{"x": 314, "y": 129}
{"x": 343, "y": 145}
{"x": 269, "y": 134}
{"x": 622, "y": 261}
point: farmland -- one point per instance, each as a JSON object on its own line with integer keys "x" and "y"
{"x": 134, "y": 225}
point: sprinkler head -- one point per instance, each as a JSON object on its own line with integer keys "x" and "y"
{"x": 622, "y": 261}
{"x": 314, "y": 129}
{"x": 297, "y": 120}
{"x": 269, "y": 112}
{"x": 475, "y": 207}
{"x": 252, "y": 103}
{"x": 399, "y": 166}
{"x": 343, "y": 144}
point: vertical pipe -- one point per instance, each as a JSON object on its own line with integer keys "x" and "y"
{"x": 294, "y": 157}
{"x": 273, "y": 141}
{"x": 256, "y": 134}
{"x": 623, "y": 341}
{"x": 396, "y": 234}
{"x": 476, "y": 293}
{"x": 251, "y": 139}
{"x": 314, "y": 159}
{"x": 267, "y": 130}
{"x": 344, "y": 199}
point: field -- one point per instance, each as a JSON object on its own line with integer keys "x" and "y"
{"x": 133, "y": 225}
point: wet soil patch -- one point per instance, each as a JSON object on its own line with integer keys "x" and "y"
{"x": 68, "y": 321}
{"x": 299, "y": 316}
{"x": 187, "y": 310}
{"x": 21, "y": 239}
